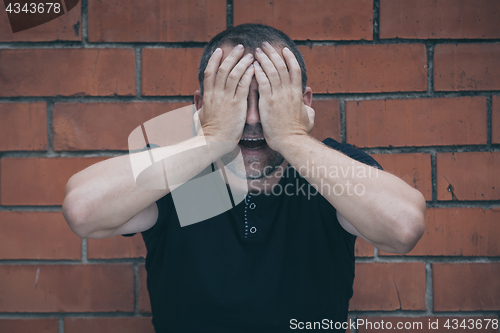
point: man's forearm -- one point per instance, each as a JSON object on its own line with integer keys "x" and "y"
{"x": 381, "y": 207}
{"x": 105, "y": 195}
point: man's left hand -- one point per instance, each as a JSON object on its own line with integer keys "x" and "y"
{"x": 282, "y": 111}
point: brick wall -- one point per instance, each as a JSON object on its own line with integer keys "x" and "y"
{"x": 414, "y": 83}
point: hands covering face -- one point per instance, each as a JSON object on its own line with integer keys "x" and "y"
{"x": 282, "y": 111}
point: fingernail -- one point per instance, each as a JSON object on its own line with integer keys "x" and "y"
{"x": 239, "y": 47}
{"x": 286, "y": 49}
{"x": 218, "y": 50}
{"x": 249, "y": 55}
{"x": 251, "y": 66}
{"x": 266, "y": 44}
{"x": 258, "y": 50}
{"x": 256, "y": 63}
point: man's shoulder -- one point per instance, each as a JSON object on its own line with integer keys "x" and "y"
{"x": 352, "y": 152}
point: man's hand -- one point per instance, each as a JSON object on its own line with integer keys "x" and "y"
{"x": 282, "y": 111}
{"x": 224, "y": 109}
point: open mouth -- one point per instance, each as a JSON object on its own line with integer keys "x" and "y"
{"x": 252, "y": 143}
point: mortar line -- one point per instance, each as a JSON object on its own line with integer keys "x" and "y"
{"x": 433, "y": 176}
{"x": 376, "y": 21}
{"x": 229, "y": 13}
{"x": 342, "y": 121}
{"x": 489, "y": 123}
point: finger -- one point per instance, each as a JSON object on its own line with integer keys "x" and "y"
{"x": 268, "y": 67}
{"x": 211, "y": 70}
{"x": 227, "y": 65}
{"x": 278, "y": 63}
{"x": 265, "y": 89}
{"x": 244, "y": 84}
{"x": 293, "y": 68}
{"x": 234, "y": 78}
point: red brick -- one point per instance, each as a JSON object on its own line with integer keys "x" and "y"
{"x": 101, "y": 126}
{"x": 439, "y": 19}
{"x": 66, "y": 27}
{"x": 459, "y": 232}
{"x": 416, "y": 122}
{"x": 466, "y": 67}
{"x": 170, "y": 71}
{"x": 45, "y": 325}
{"x": 66, "y": 288}
{"x": 67, "y": 72}
{"x": 313, "y": 20}
{"x": 116, "y": 247}
{"x": 426, "y": 324}
{"x": 38, "y": 181}
{"x": 414, "y": 169}
{"x": 23, "y": 126}
{"x": 109, "y": 325}
{"x": 326, "y": 119}
{"x": 366, "y": 68}
{"x": 144, "y": 302}
{"x": 153, "y": 21}
{"x": 37, "y": 235}
{"x": 389, "y": 286}
{"x": 363, "y": 248}
{"x": 466, "y": 287}
{"x": 468, "y": 176}
{"x": 495, "y": 119}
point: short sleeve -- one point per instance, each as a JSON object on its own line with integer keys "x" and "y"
{"x": 352, "y": 152}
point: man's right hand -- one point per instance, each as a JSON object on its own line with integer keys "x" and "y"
{"x": 224, "y": 108}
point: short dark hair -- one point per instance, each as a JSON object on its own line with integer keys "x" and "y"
{"x": 251, "y": 36}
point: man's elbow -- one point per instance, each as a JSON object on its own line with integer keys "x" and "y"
{"x": 73, "y": 213}
{"x": 413, "y": 226}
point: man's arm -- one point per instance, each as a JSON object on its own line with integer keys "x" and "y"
{"x": 389, "y": 214}
{"x": 104, "y": 200}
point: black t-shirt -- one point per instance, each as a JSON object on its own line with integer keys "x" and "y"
{"x": 292, "y": 263}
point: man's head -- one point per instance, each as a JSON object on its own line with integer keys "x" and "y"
{"x": 251, "y": 36}
{"x": 260, "y": 160}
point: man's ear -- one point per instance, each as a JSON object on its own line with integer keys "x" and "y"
{"x": 198, "y": 99}
{"x": 307, "y": 97}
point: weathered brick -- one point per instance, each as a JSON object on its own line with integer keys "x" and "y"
{"x": 416, "y": 122}
{"x": 466, "y": 67}
{"x": 170, "y": 71}
{"x": 144, "y": 302}
{"x": 109, "y": 325}
{"x": 313, "y": 20}
{"x": 459, "y": 232}
{"x": 366, "y": 68}
{"x": 377, "y": 324}
{"x": 38, "y": 181}
{"x": 67, "y": 72}
{"x": 116, "y": 247}
{"x": 363, "y": 248}
{"x": 415, "y": 169}
{"x": 101, "y": 126}
{"x": 468, "y": 176}
{"x": 42, "y": 325}
{"x": 466, "y": 287}
{"x": 23, "y": 126}
{"x": 156, "y": 21}
{"x": 66, "y": 27}
{"x": 326, "y": 119}
{"x": 66, "y": 288}
{"x": 439, "y": 19}
{"x": 37, "y": 235}
{"x": 389, "y": 286}
{"x": 495, "y": 119}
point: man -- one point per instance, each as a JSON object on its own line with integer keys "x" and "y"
{"x": 283, "y": 257}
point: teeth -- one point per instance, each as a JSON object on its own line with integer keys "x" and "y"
{"x": 257, "y": 139}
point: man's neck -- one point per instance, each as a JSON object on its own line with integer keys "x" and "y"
{"x": 266, "y": 184}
